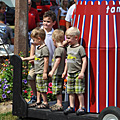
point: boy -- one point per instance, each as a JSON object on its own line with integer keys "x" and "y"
{"x": 75, "y": 67}
{"x": 58, "y": 68}
{"x": 49, "y": 20}
{"x": 41, "y": 60}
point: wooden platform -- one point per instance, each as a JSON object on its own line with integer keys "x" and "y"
{"x": 20, "y": 107}
{"x": 59, "y": 115}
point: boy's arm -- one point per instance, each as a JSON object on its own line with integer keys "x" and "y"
{"x": 32, "y": 52}
{"x": 28, "y": 58}
{"x": 46, "y": 61}
{"x": 65, "y": 70}
{"x": 57, "y": 62}
{"x": 84, "y": 64}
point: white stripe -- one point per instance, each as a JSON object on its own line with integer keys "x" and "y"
{"x": 78, "y": 21}
{"x": 89, "y": 43}
{"x": 116, "y": 46}
{"x": 97, "y": 88}
{"x": 74, "y": 20}
{"x": 82, "y": 31}
{"x": 107, "y": 62}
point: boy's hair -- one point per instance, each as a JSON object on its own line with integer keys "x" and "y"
{"x": 50, "y": 14}
{"x": 2, "y": 17}
{"x": 58, "y": 35}
{"x": 2, "y": 4}
{"x": 73, "y": 31}
{"x": 38, "y": 32}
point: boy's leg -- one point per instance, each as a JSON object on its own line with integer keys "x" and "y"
{"x": 38, "y": 97}
{"x": 32, "y": 82}
{"x": 59, "y": 99}
{"x": 72, "y": 100}
{"x": 33, "y": 87}
{"x": 44, "y": 96}
{"x": 81, "y": 100}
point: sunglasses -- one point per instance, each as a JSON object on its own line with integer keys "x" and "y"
{"x": 29, "y": 4}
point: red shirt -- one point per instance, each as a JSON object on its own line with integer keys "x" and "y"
{"x": 33, "y": 18}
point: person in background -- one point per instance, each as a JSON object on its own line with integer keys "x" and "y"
{"x": 75, "y": 69}
{"x": 33, "y": 19}
{"x": 55, "y": 9}
{"x": 58, "y": 68}
{"x": 62, "y": 14}
{"x": 6, "y": 35}
{"x": 2, "y": 9}
{"x": 68, "y": 17}
{"x": 41, "y": 60}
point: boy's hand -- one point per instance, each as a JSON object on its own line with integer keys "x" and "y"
{"x": 44, "y": 76}
{"x": 81, "y": 75}
{"x": 63, "y": 75}
{"x": 22, "y": 58}
{"x": 50, "y": 74}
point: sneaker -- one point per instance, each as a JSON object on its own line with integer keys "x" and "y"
{"x": 81, "y": 111}
{"x": 33, "y": 99}
{"x": 69, "y": 110}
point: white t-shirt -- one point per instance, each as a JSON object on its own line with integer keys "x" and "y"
{"x": 68, "y": 17}
{"x": 50, "y": 44}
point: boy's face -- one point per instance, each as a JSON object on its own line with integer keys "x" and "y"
{"x": 2, "y": 10}
{"x": 48, "y": 23}
{"x": 72, "y": 40}
{"x": 36, "y": 41}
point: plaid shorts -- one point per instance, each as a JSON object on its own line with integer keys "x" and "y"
{"x": 42, "y": 85}
{"x": 57, "y": 84}
{"x": 75, "y": 85}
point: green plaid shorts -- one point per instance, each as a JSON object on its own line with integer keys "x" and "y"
{"x": 57, "y": 84}
{"x": 42, "y": 85}
{"x": 75, "y": 85}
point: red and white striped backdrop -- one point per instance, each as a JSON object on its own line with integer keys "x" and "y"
{"x": 100, "y": 32}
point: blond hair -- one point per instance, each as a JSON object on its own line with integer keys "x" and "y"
{"x": 58, "y": 35}
{"x": 38, "y": 32}
{"x": 73, "y": 31}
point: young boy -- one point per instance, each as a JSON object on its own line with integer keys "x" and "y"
{"x": 49, "y": 20}
{"x": 58, "y": 68}
{"x": 75, "y": 67}
{"x": 41, "y": 60}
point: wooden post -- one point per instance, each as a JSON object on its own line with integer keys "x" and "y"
{"x": 21, "y": 27}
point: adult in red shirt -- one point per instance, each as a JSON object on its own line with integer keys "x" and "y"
{"x": 33, "y": 17}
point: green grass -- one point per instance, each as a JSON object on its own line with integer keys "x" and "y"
{"x": 8, "y": 116}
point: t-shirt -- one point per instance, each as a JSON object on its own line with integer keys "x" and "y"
{"x": 40, "y": 53}
{"x": 69, "y": 13}
{"x": 33, "y": 18}
{"x": 59, "y": 52}
{"x": 74, "y": 58}
{"x": 50, "y": 44}
{"x": 63, "y": 12}
{"x": 5, "y": 33}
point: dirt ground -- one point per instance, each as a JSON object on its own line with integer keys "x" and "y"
{"x": 5, "y": 107}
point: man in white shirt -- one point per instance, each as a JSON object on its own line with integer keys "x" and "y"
{"x": 68, "y": 17}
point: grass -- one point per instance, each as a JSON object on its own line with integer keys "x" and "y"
{"x": 8, "y": 116}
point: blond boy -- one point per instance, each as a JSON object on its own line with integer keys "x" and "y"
{"x": 41, "y": 60}
{"x": 58, "y": 68}
{"x": 75, "y": 67}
